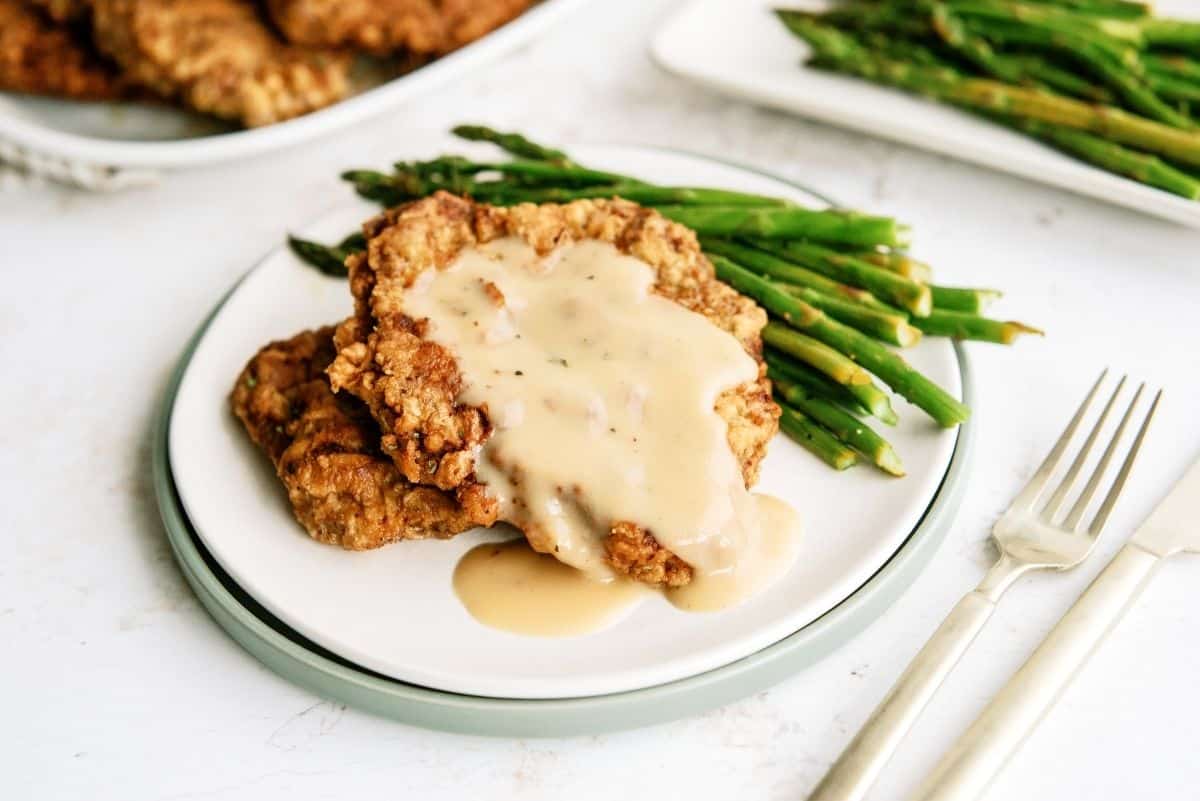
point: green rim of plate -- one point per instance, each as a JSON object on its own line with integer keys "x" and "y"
{"x": 303, "y": 662}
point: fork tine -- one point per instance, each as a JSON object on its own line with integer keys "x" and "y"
{"x": 1033, "y": 489}
{"x": 1068, "y": 482}
{"x": 1089, "y": 491}
{"x": 1111, "y": 500}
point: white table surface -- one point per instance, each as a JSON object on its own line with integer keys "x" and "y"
{"x": 117, "y": 685}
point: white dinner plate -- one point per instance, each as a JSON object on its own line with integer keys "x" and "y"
{"x": 739, "y": 48}
{"x": 106, "y": 138}
{"x": 393, "y": 610}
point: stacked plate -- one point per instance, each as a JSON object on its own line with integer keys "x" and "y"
{"x": 383, "y": 630}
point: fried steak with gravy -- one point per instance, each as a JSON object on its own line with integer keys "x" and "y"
{"x": 411, "y": 384}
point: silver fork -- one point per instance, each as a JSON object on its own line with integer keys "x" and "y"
{"x": 1029, "y": 537}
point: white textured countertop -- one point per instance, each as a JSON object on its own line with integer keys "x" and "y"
{"x": 117, "y": 685}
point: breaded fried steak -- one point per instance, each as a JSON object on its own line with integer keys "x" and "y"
{"x": 39, "y": 57}
{"x": 421, "y": 27}
{"x": 326, "y": 452}
{"x": 412, "y": 384}
{"x": 219, "y": 57}
{"x": 63, "y": 10}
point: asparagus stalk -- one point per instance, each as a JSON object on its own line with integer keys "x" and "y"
{"x": 1141, "y": 167}
{"x": 897, "y": 263}
{"x": 329, "y": 259}
{"x": 1170, "y": 33}
{"x": 884, "y": 284}
{"x": 891, "y": 369}
{"x": 1119, "y": 69}
{"x": 1176, "y": 65}
{"x": 986, "y": 95}
{"x": 972, "y": 301}
{"x": 836, "y": 366}
{"x": 962, "y": 325}
{"x": 814, "y": 383}
{"x": 891, "y": 328}
{"x": 833, "y": 364}
{"x": 513, "y": 143}
{"x": 1116, "y": 9}
{"x": 1113, "y": 36}
{"x": 815, "y": 439}
{"x": 832, "y": 226}
{"x": 849, "y": 429}
{"x": 526, "y": 170}
{"x": 646, "y": 194}
{"x": 772, "y": 266}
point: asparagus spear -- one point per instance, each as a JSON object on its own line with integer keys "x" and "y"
{"x": 846, "y": 427}
{"x": 329, "y": 259}
{"x": 992, "y": 96}
{"x": 891, "y": 369}
{"x": 1013, "y": 22}
{"x": 834, "y": 365}
{"x": 963, "y": 325}
{"x": 1176, "y": 65}
{"x": 836, "y": 227}
{"x": 816, "y": 384}
{"x": 648, "y": 195}
{"x": 891, "y": 328}
{"x": 1117, "y": 9}
{"x": 772, "y": 266}
{"x": 1147, "y": 169}
{"x": 884, "y": 284}
{"x": 1114, "y": 9}
{"x": 513, "y": 143}
{"x": 897, "y": 263}
{"x": 817, "y": 440}
{"x": 961, "y": 299}
{"x": 1111, "y": 35}
{"x": 1170, "y": 33}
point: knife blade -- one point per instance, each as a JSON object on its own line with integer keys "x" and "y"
{"x": 1174, "y": 525}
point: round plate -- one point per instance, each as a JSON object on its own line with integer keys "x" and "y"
{"x": 359, "y": 605}
{"x": 299, "y": 660}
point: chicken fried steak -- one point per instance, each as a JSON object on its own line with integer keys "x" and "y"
{"x": 412, "y": 384}
{"x": 325, "y": 451}
{"x": 41, "y": 58}
{"x": 420, "y": 27}
{"x": 219, "y": 57}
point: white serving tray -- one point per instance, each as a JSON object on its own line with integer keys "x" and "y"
{"x": 737, "y": 47}
{"x": 99, "y": 141}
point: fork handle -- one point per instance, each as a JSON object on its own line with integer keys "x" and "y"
{"x": 969, "y": 766}
{"x": 860, "y": 764}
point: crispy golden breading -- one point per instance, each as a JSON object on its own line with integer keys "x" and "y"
{"x": 219, "y": 57}
{"x": 423, "y": 27}
{"x": 63, "y": 10}
{"x": 39, "y": 57}
{"x": 325, "y": 449}
{"x": 411, "y": 384}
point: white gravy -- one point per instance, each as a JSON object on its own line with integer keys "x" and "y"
{"x": 509, "y": 586}
{"x": 602, "y": 395}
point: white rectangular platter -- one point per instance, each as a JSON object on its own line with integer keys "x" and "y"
{"x": 739, "y": 48}
{"x": 82, "y": 141}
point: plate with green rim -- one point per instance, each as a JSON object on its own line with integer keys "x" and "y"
{"x": 352, "y": 605}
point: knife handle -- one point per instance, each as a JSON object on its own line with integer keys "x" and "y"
{"x": 970, "y": 765}
{"x": 856, "y": 770}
